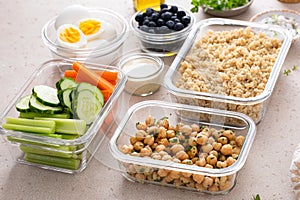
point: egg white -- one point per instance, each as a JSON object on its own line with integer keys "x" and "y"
{"x": 81, "y": 43}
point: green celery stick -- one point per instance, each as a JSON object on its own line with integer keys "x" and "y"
{"x": 31, "y": 122}
{"x": 26, "y": 141}
{"x": 29, "y": 149}
{"x": 30, "y": 129}
{"x": 68, "y": 137}
{"x": 31, "y": 115}
{"x": 68, "y": 126}
{"x": 67, "y": 163}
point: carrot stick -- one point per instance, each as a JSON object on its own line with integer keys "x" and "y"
{"x": 83, "y": 73}
{"x": 108, "y": 75}
{"x": 106, "y": 94}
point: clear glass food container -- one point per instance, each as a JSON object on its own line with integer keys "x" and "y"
{"x": 162, "y": 165}
{"x": 102, "y": 52}
{"x": 229, "y": 65}
{"x": 162, "y": 44}
{"x": 79, "y": 150}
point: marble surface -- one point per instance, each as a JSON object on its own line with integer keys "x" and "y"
{"x": 22, "y": 51}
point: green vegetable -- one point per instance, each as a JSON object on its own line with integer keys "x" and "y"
{"x": 46, "y": 95}
{"x": 23, "y": 104}
{"x": 30, "y": 129}
{"x": 217, "y": 4}
{"x": 257, "y": 197}
{"x": 31, "y": 122}
{"x": 65, "y": 98}
{"x": 68, "y": 163}
{"x": 65, "y": 83}
{"x": 37, "y": 106}
{"x": 31, "y": 115}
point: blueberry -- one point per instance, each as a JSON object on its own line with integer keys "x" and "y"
{"x": 160, "y": 22}
{"x": 176, "y": 20}
{"x": 151, "y": 30}
{"x": 180, "y": 14}
{"x": 173, "y": 9}
{"x": 164, "y": 10}
{"x": 144, "y": 28}
{"x": 186, "y": 20}
{"x": 170, "y": 24}
{"x": 166, "y": 16}
{"x": 139, "y": 17}
{"x": 152, "y": 24}
{"x": 163, "y": 30}
{"x": 162, "y": 6}
{"x": 155, "y": 16}
{"x": 149, "y": 11}
{"x": 178, "y": 26}
{"x": 146, "y": 22}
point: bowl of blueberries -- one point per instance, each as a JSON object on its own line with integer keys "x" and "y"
{"x": 162, "y": 31}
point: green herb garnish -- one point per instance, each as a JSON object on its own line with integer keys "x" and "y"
{"x": 217, "y": 4}
{"x": 257, "y": 197}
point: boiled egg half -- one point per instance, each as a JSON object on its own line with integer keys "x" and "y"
{"x": 92, "y": 28}
{"x": 70, "y": 36}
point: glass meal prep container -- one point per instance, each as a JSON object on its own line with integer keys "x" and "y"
{"x": 229, "y": 65}
{"x": 63, "y": 155}
{"x": 155, "y": 143}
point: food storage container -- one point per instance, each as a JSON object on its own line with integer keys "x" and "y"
{"x": 64, "y": 152}
{"x": 115, "y": 33}
{"x": 155, "y": 143}
{"x": 229, "y": 65}
{"x": 158, "y": 41}
{"x": 144, "y": 73}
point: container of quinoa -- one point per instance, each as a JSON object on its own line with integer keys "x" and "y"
{"x": 229, "y": 65}
{"x": 155, "y": 143}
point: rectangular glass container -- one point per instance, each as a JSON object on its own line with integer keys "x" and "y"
{"x": 229, "y": 65}
{"x": 81, "y": 148}
{"x": 166, "y": 170}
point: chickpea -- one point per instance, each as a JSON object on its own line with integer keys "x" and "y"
{"x": 203, "y": 155}
{"x": 201, "y": 162}
{"x": 229, "y": 134}
{"x": 217, "y": 146}
{"x": 170, "y": 133}
{"x": 195, "y": 127}
{"x": 185, "y": 180}
{"x": 135, "y": 154}
{"x": 201, "y": 139}
{"x": 207, "y": 148}
{"x": 177, "y": 182}
{"x": 193, "y": 151}
{"x": 232, "y": 143}
{"x": 150, "y": 121}
{"x": 187, "y": 162}
{"x": 211, "y": 159}
{"x": 198, "y": 178}
{"x": 168, "y": 179}
{"x": 145, "y": 152}
{"x": 213, "y": 152}
{"x": 126, "y": 149}
{"x": 223, "y": 140}
{"x": 140, "y": 135}
{"x": 222, "y": 158}
{"x": 235, "y": 156}
{"x": 186, "y": 174}
{"x": 138, "y": 146}
{"x": 225, "y": 186}
{"x": 174, "y": 140}
{"x": 213, "y": 188}
{"x": 226, "y": 149}
{"x": 162, "y": 153}
{"x": 172, "y": 128}
{"x": 240, "y": 140}
{"x": 153, "y": 130}
{"x": 156, "y": 156}
{"x": 153, "y": 146}
{"x": 186, "y": 129}
{"x": 194, "y": 134}
{"x": 207, "y": 182}
{"x": 223, "y": 180}
{"x": 191, "y": 184}
{"x": 164, "y": 123}
{"x": 178, "y": 125}
{"x": 174, "y": 174}
{"x": 211, "y": 140}
{"x": 176, "y": 148}
{"x": 176, "y": 160}
{"x": 131, "y": 169}
{"x": 209, "y": 166}
{"x": 192, "y": 141}
{"x": 200, "y": 187}
{"x": 133, "y": 140}
{"x": 221, "y": 164}
{"x": 181, "y": 155}
{"x": 195, "y": 159}
{"x": 164, "y": 141}
{"x": 141, "y": 126}
{"x": 155, "y": 176}
{"x": 205, "y": 133}
{"x": 162, "y": 132}
{"x": 230, "y": 161}
{"x": 166, "y": 157}
{"x": 160, "y": 148}
{"x": 215, "y": 134}
{"x": 149, "y": 140}
{"x": 163, "y": 172}
{"x": 236, "y": 150}
{"x": 140, "y": 176}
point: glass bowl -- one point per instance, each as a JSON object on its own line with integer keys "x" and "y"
{"x": 161, "y": 44}
{"x": 156, "y": 143}
{"x": 102, "y": 52}
{"x": 79, "y": 150}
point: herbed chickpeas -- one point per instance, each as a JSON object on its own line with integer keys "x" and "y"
{"x": 181, "y": 144}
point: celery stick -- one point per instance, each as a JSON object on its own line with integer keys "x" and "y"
{"x": 68, "y": 137}
{"x": 68, "y": 126}
{"x": 30, "y": 129}
{"x": 29, "y": 149}
{"x": 67, "y": 163}
{"x": 31, "y": 122}
{"x": 31, "y": 115}
{"x": 25, "y": 141}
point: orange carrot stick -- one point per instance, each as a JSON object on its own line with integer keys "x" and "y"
{"x": 108, "y": 75}
{"x": 106, "y": 94}
{"x": 83, "y": 73}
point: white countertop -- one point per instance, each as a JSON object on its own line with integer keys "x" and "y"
{"x": 266, "y": 171}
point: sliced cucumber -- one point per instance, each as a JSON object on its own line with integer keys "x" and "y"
{"x": 65, "y": 98}
{"x": 46, "y": 95}
{"x": 37, "y": 106}
{"x": 86, "y": 106}
{"x": 23, "y": 104}
{"x": 93, "y": 89}
{"x": 65, "y": 83}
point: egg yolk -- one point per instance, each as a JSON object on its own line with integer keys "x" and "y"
{"x": 70, "y": 35}
{"x": 90, "y": 26}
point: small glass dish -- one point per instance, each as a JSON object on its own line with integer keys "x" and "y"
{"x": 144, "y": 73}
{"x": 220, "y": 64}
{"x": 162, "y": 44}
{"x": 79, "y": 150}
{"x": 102, "y": 52}
{"x": 162, "y": 165}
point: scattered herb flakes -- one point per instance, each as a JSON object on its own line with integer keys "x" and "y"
{"x": 257, "y": 197}
{"x": 288, "y": 71}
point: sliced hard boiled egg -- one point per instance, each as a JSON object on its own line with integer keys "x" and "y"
{"x": 71, "y": 14}
{"x": 71, "y": 36}
{"x": 91, "y": 28}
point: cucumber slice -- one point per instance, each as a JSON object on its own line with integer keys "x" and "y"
{"x": 46, "y": 95}
{"x": 65, "y": 98}
{"x": 23, "y": 104}
{"x": 65, "y": 83}
{"x": 86, "y": 106}
{"x": 93, "y": 89}
{"x": 37, "y": 106}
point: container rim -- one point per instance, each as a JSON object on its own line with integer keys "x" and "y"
{"x": 118, "y": 155}
{"x": 223, "y": 98}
